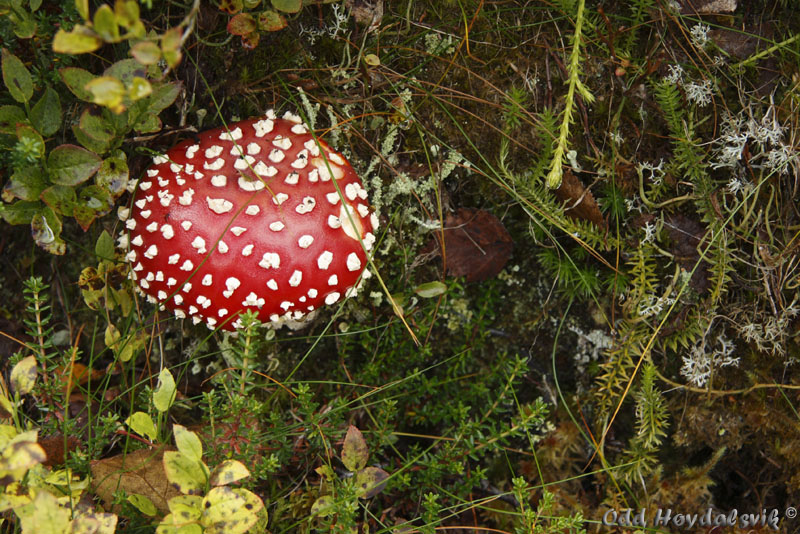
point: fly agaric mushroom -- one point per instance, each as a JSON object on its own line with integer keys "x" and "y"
{"x": 258, "y": 216}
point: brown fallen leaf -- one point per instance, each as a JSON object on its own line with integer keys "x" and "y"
{"x": 580, "y": 202}
{"x": 139, "y": 472}
{"x": 57, "y": 447}
{"x": 476, "y": 245}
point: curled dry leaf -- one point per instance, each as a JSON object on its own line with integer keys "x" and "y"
{"x": 476, "y": 245}
{"x": 580, "y": 202}
{"x": 141, "y": 472}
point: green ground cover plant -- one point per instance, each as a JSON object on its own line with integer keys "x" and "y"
{"x": 587, "y": 282}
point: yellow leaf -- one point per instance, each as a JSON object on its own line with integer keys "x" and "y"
{"x": 228, "y": 472}
{"x": 230, "y": 511}
{"x": 23, "y": 375}
{"x": 80, "y": 40}
{"x": 107, "y": 91}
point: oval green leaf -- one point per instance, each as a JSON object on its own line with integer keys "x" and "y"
{"x": 164, "y": 395}
{"x": 431, "y": 289}
{"x": 287, "y": 6}
{"x": 72, "y": 165}
{"x": 354, "y": 450}
{"x": 46, "y": 113}
{"x": 16, "y": 77}
{"x": 188, "y": 443}
{"x": 142, "y": 424}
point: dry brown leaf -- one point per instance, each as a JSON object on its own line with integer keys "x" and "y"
{"x": 139, "y": 472}
{"x": 580, "y": 202}
{"x": 476, "y": 245}
{"x": 56, "y": 448}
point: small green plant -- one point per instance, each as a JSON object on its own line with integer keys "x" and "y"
{"x": 248, "y": 26}
{"x": 208, "y": 504}
{"x": 337, "y": 509}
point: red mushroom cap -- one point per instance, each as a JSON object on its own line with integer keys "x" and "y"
{"x": 249, "y": 217}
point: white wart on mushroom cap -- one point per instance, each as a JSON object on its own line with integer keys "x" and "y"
{"x": 249, "y": 217}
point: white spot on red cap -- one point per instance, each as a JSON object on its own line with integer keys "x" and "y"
{"x": 145, "y": 214}
{"x": 325, "y": 259}
{"x": 250, "y": 185}
{"x": 187, "y": 266}
{"x": 253, "y": 300}
{"x": 353, "y": 262}
{"x": 222, "y": 246}
{"x": 292, "y": 178}
{"x": 276, "y": 226}
{"x": 272, "y": 284}
{"x": 152, "y": 227}
{"x": 137, "y": 241}
{"x": 213, "y": 151}
{"x": 363, "y": 210}
{"x": 178, "y": 299}
{"x": 219, "y": 180}
{"x": 215, "y": 165}
{"x": 280, "y": 198}
{"x": 190, "y": 152}
{"x": 305, "y": 241}
{"x": 238, "y": 230}
{"x": 334, "y": 222}
{"x": 167, "y": 231}
{"x": 276, "y": 155}
{"x": 219, "y": 205}
{"x": 186, "y": 225}
{"x": 207, "y": 280}
{"x": 312, "y": 147}
{"x": 247, "y": 250}
{"x": 263, "y": 127}
{"x": 130, "y": 224}
{"x": 186, "y": 198}
{"x": 333, "y": 280}
{"x": 299, "y": 129}
{"x": 270, "y": 260}
{"x": 332, "y": 297}
{"x": 252, "y": 209}
{"x": 262, "y": 169}
{"x": 332, "y": 197}
{"x": 233, "y": 135}
{"x": 171, "y": 282}
{"x": 253, "y": 148}
{"x": 306, "y": 206}
{"x": 200, "y": 244}
{"x": 222, "y": 312}
{"x": 282, "y": 142}
{"x": 296, "y": 278}
{"x": 351, "y": 191}
{"x": 173, "y": 259}
{"x": 144, "y": 186}
{"x": 244, "y": 163}
{"x": 232, "y": 283}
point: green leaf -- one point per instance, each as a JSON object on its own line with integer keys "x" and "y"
{"x": 113, "y": 175}
{"x": 228, "y": 472}
{"x": 72, "y": 165}
{"x": 111, "y": 336}
{"x": 76, "y": 80}
{"x": 146, "y": 52}
{"x": 107, "y": 91}
{"x": 271, "y": 21}
{"x": 287, "y": 6}
{"x": 60, "y": 198}
{"x": 96, "y": 127}
{"x": 188, "y": 443}
{"x": 10, "y": 116}
{"x": 142, "y": 424}
{"x": 163, "y": 96}
{"x": 242, "y": 24}
{"x": 431, "y": 289}
{"x": 25, "y": 184}
{"x": 125, "y": 70}
{"x": 164, "y": 395}
{"x": 354, "y": 450}
{"x": 104, "y": 248}
{"x": 46, "y": 232}
{"x": 370, "y": 481}
{"x": 46, "y": 113}
{"x": 80, "y": 40}
{"x": 230, "y": 511}
{"x": 187, "y": 475}
{"x": 21, "y": 212}
{"x": 23, "y": 375}
{"x": 105, "y": 24}
{"x": 16, "y": 77}
{"x": 148, "y": 123}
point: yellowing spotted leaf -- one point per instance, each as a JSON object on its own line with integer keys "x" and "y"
{"x": 188, "y": 443}
{"x": 186, "y": 475}
{"x": 354, "y": 450}
{"x": 23, "y": 375}
{"x": 228, "y": 472}
{"x": 230, "y": 511}
{"x": 143, "y": 504}
{"x": 94, "y": 523}
{"x": 164, "y": 395}
{"x": 43, "y": 514}
{"x": 142, "y": 424}
{"x": 18, "y": 457}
